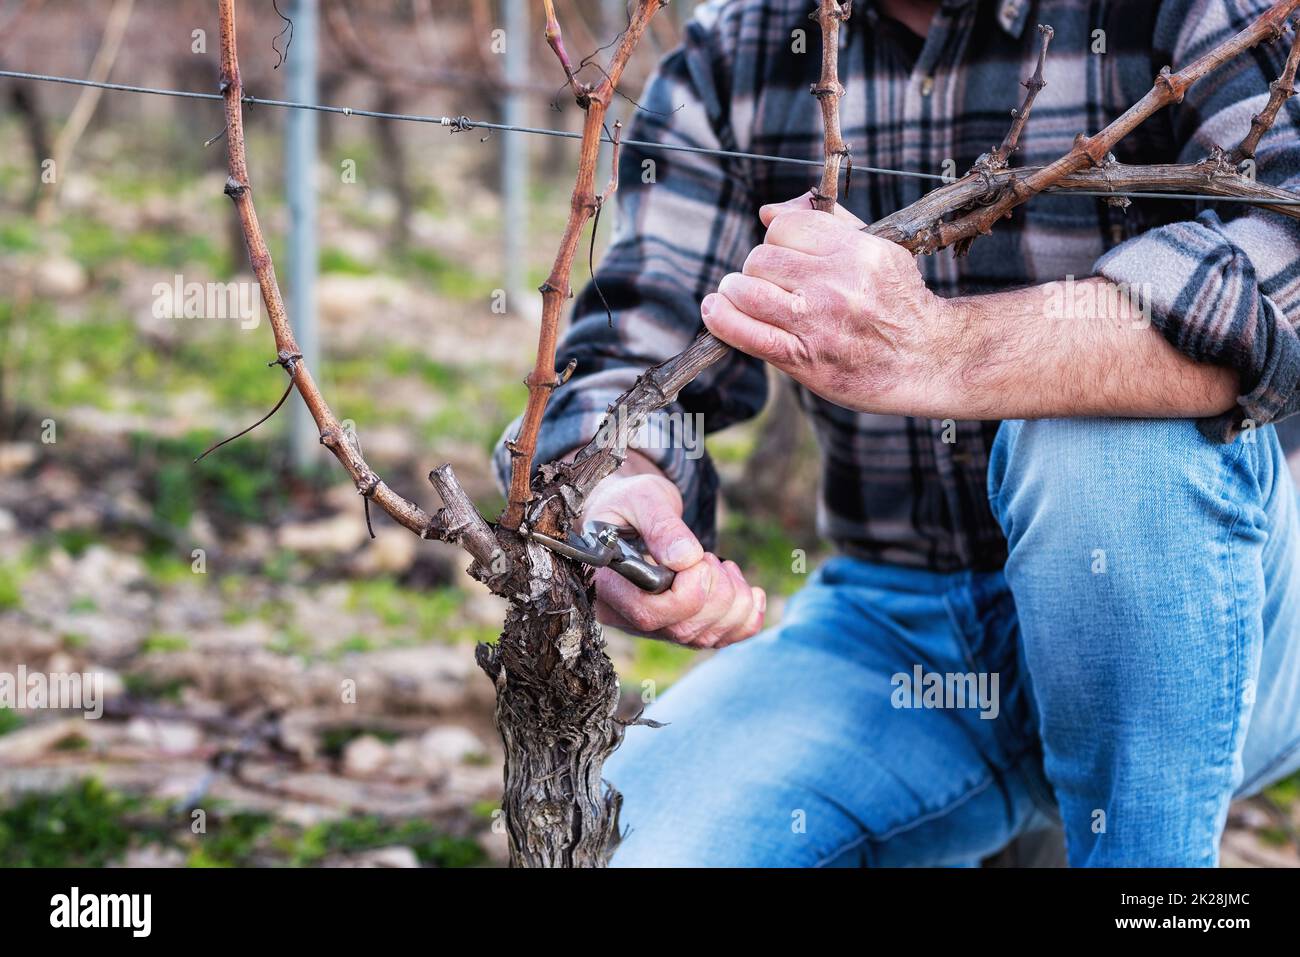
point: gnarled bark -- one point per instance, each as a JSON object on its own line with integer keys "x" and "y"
{"x": 557, "y": 694}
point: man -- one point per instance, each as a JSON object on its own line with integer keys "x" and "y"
{"x": 1068, "y": 554}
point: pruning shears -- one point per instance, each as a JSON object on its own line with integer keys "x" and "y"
{"x": 618, "y": 547}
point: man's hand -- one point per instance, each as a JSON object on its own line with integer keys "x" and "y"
{"x": 848, "y": 315}
{"x": 710, "y": 604}
{"x": 844, "y": 313}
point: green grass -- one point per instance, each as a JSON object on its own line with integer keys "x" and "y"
{"x": 765, "y": 553}
{"x": 93, "y": 355}
{"x": 18, "y": 235}
{"x": 240, "y": 481}
{"x": 659, "y": 662}
{"x": 232, "y": 840}
{"x": 11, "y": 581}
{"x": 82, "y": 826}
{"x": 83, "y": 356}
{"x": 163, "y": 643}
{"x": 137, "y": 183}
{"x": 445, "y": 276}
{"x": 167, "y": 568}
{"x": 353, "y": 645}
{"x": 280, "y": 566}
{"x": 75, "y": 541}
{"x": 1274, "y": 836}
{"x": 292, "y": 641}
{"x": 90, "y": 825}
{"x": 732, "y": 446}
{"x": 434, "y": 614}
{"x": 334, "y": 741}
{"x": 337, "y": 261}
{"x": 95, "y": 245}
{"x": 1287, "y": 791}
{"x": 242, "y": 839}
{"x": 68, "y": 360}
{"x": 230, "y": 362}
{"x": 446, "y": 378}
{"x": 152, "y": 688}
{"x": 491, "y": 504}
{"x": 495, "y": 398}
{"x": 350, "y": 835}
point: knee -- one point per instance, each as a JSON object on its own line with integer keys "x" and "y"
{"x": 1128, "y": 531}
{"x": 1102, "y": 479}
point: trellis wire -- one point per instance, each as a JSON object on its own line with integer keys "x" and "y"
{"x": 464, "y": 123}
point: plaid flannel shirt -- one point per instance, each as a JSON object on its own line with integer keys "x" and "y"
{"x": 1223, "y": 285}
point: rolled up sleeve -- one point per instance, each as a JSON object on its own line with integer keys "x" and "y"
{"x": 1224, "y": 288}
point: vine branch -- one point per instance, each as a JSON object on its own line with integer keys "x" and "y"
{"x": 828, "y": 90}
{"x": 1011, "y": 142}
{"x": 239, "y": 189}
{"x": 1279, "y": 91}
{"x": 543, "y": 380}
{"x": 1091, "y": 151}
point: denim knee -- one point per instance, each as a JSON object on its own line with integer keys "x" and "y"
{"x": 1125, "y": 480}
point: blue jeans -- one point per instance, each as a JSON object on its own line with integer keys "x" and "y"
{"x": 1133, "y": 667}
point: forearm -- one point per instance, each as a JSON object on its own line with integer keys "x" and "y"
{"x": 1071, "y": 350}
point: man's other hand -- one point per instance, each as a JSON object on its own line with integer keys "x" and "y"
{"x": 710, "y": 604}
